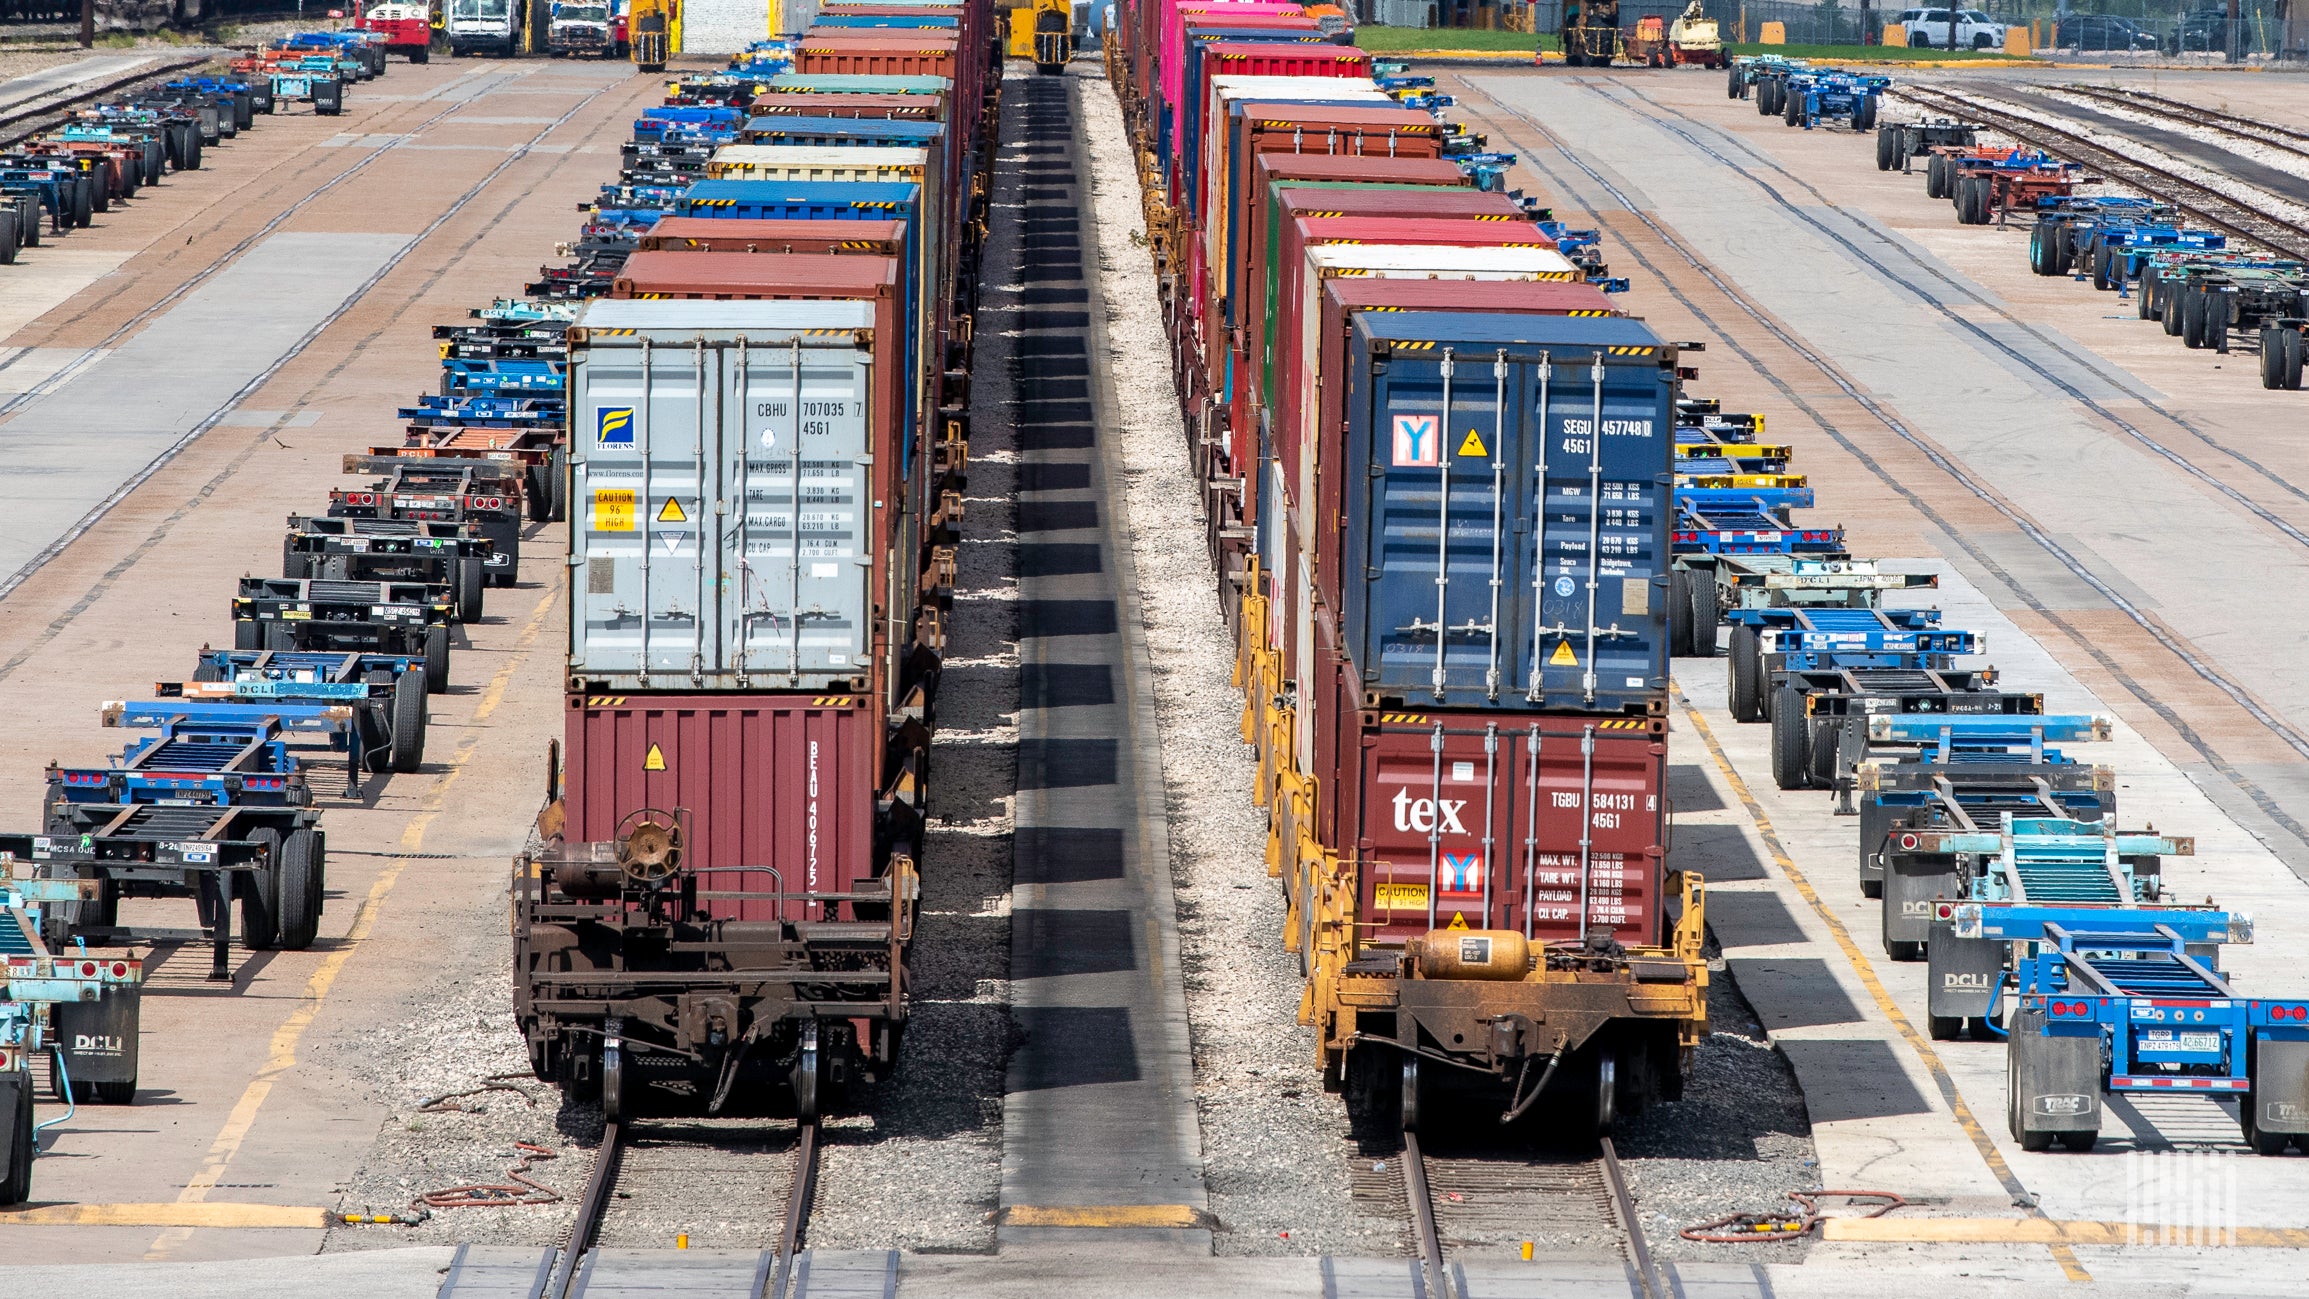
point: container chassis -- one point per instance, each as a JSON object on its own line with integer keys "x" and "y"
{"x": 628, "y": 987}
{"x": 1820, "y": 717}
{"x": 486, "y": 494}
{"x": 81, "y": 1011}
{"x": 386, "y": 691}
{"x": 450, "y": 555}
{"x": 1898, "y": 142}
{"x": 1921, "y": 770}
{"x": 316, "y": 615}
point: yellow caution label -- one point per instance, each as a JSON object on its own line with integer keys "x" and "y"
{"x": 672, "y": 512}
{"x": 1458, "y": 921}
{"x": 655, "y": 761}
{"x": 1402, "y": 897}
{"x": 1563, "y": 657}
{"x": 613, "y": 509}
{"x": 1472, "y": 445}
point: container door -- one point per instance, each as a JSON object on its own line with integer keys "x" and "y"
{"x": 647, "y": 455}
{"x": 1582, "y": 824}
{"x": 1602, "y": 552}
{"x": 1440, "y": 498}
{"x": 800, "y": 497}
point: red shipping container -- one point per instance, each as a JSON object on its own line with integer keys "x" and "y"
{"x": 787, "y": 782}
{"x": 1259, "y": 285}
{"x": 925, "y": 52}
{"x": 709, "y": 235}
{"x": 900, "y": 108}
{"x": 1294, "y": 129}
{"x": 1513, "y": 823}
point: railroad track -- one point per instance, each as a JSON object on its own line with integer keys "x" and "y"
{"x": 2222, "y": 211}
{"x": 2243, "y": 128}
{"x": 22, "y": 122}
{"x": 1457, "y": 1201}
{"x": 637, "y": 1164}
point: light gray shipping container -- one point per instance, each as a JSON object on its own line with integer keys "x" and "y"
{"x": 724, "y": 530}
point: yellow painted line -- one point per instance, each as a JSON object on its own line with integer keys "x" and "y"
{"x": 281, "y": 1056}
{"x": 2054, "y": 1231}
{"x": 179, "y": 1214}
{"x": 1861, "y": 965}
{"x": 1174, "y": 1216}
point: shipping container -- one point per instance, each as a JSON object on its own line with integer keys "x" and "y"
{"x": 1507, "y": 820}
{"x": 845, "y": 132}
{"x": 1262, "y": 54}
{"x": 705, "y": 235}
{"x": 771, "y": 782}
{"x": 723, "y": 26}
{"x": 794, "y": 83}
{"x": 731, "y": 526}
{"x": 790, "y": 162}
{"x": 905, "y": 108}
{"x": 1507, "y": 538}
{"x": 1187, "y": 33}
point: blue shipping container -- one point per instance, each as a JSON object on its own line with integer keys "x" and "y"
{"x": 1463, "y": 482}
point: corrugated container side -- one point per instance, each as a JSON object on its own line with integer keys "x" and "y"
{"x": 1458, "y": 818}
{"x": 787, "y": 782}
{"x": 1464, "y": 428}
{"x": 706, "y": 235}
{"x": 728, "y": 527}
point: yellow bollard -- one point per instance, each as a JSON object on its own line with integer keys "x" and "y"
{"x": 1527, "y": 1251}
{"x": 681, "y": 1241}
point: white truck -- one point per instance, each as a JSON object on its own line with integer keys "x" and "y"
{"x": 484, "y": 27}
{"x": 580, "y": 27}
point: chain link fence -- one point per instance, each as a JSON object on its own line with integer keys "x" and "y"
{"x": 2120, "y": 30}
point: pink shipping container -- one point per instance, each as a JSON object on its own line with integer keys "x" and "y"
{"x": 783, "y": 782}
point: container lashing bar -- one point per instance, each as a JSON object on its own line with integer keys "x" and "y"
{"x": 697, "y": 658}
{"x": 1498, "y": 529}
{"x": 1443, "y": 460}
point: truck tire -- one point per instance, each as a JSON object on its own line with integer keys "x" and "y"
{"x": 1932, "y": 176}
{"x": 2295, "y": 345}
{"x": 2145, "y": 297}
{"x": 260, "y": 892}
{"x": 297, "y": 896}
{"x": 1820, "y": 754}
{"x": 8, "y": 239}
{"x": 1679, "y": 613}
{"x": 1732, "y": 86}
{"x": 248, "y": 634}
{"x": 2193, "y": 318}
{"x": 1746, "y": 673}
{"x": 2169, "y": 308}
{"x": 375, "y": 734}
{"x": 1884, "y": 150}
{"x": 1864, "y": 117}
{"x": 207, "y": 670}
{"x": 1789, "y": 725}
{"x": 294, "y": 563}
{"x": 557, "y": 484}
{"x": 2272, "y": 358}
{"x": 537, "y": 498}
{"x": 471, "y": 582}
{"x": 437, "y": 660}
{"x": 1700, "y": 602}
{"x": 1791, "y": 108}
{"x": 423, "y": 54}
{"x": 409, "y": 721}
{"x": 16, "y": 1181}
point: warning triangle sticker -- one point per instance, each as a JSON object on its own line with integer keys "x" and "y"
{"x": 1563, "y": 657}
{"x": 1472, "y": 445}
{"x": 655, "y": 761}
{"x": 1458, "y": 920}
{"x": 672, "y": 512}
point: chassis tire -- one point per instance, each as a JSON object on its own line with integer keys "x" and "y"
{"x": 536, "y": 501}
{"x": 1701, "y": 615}
{"x": 1884, "y": 150}
{"x": 294, "y": 562}
{"x": 2193, "y": 304}
{"x": 2145, "y": 297}
{"x": 557, "y": 484}
{"x": 2272, "y": 357}
{"x": 297, "y": 897}
{"x": 2268, "y": 1144}
{"x": 16, "y": 1182}
{"x": 375, "y": 732}
{"x": 437, "y": 660}
{"x": 2296, "y": 344}
{"x": 1935, "y": 179}
{"x": 409, "y": 721}
{"x": 2169, "y": 308}
{"x": 1947, "y": 1028}
{"x": 260, "y": 893}
{"x": 1746, "y": 670}
{"x": 1679, "y": 613}
{"x": 1789, "y": 727}
{"x": 471, "y": 582}
{"x": 1732, "y": 85}
{"x": 248, "y": 634}
{"x": 207, "y": 670}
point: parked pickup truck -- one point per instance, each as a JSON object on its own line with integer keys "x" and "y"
{"x": 580, "y": 29}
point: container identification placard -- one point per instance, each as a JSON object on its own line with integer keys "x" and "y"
{"x": 613, "y": 509}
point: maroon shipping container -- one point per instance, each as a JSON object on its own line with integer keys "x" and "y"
{"x": 714, "y": 235}
{"x": 1548, "y": 807}
{"x": 902, "y": 108}
{"x": 922, "y": 52}
{"x": 787, "y": 782}
{"x": 1264, "y": 286}
{"x": 1297, "y": 129}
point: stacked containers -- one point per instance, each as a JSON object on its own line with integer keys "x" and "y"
{"x": 1442, "y": 498}
{"x": 769, "y": 438}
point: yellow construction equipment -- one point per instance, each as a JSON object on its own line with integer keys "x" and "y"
{"x": 1043, "y": 32}
{"x": 649, "y": 33}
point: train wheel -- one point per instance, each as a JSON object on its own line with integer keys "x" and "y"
{"x": 614, "y": 1102}
{"x": 1607, "y": 1085}
{"x": 808, "y": 1072}
{"x": 1410, "y": 1092}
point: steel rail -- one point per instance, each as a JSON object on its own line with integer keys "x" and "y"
{"x": 590, "y": 1210}
{"x": 798, "y": 1199}
{"x": 2214, "y": 208}
{"x": 1623, "y": 1207}
{"x": 41, "y": 114}
{"x": 1422, "y": 1205}
{"x": 2246, "y": 128}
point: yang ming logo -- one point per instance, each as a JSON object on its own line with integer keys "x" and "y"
{"x": 614, "y": 427}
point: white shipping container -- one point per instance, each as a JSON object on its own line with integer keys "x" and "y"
{"x": 723, "y": 529}
{"x": 817, "y": 163}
